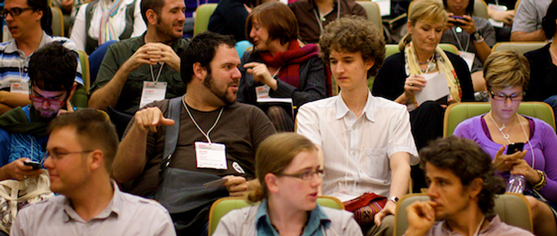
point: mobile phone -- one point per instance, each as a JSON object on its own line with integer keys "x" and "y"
{"x": 456, "y": 23}
{"x": 514, "y": 147}
{"x": 33, "y": 164}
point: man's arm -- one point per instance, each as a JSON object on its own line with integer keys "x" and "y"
{"x": 108, "y": 95}
{"x": 130, "y": 158}
{"x": 400, "y": 177}
{"x": 520, "y": 36}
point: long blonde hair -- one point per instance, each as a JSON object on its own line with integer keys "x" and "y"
{"x": 431, "y": 11}
{"x": 274, "y": 155}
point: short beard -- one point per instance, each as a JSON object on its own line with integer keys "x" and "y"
{"x": 210, "y": 84}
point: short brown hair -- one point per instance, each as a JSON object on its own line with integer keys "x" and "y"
{"x": 430, "y": 11}
{"x": 274, "y": 155}
{"x": 277, "y": 18}
{"x": 506, "y": 69}
{"x": 353, "y": 34}
{"x": 93, "y": 129}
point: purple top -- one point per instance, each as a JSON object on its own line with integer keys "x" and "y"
{"x": 543, "y": 141}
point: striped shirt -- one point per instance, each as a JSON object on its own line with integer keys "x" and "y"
{"x": 14, "y": 64}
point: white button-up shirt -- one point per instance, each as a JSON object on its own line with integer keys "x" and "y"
{"x": 357, "y": 149}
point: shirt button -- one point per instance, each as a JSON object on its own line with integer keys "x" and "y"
{"x": 353, "y": 153}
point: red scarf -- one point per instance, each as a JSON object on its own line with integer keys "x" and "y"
{"x": 289, "y": 61}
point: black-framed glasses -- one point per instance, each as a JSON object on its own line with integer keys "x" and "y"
{"x": 42, "y": 99}
{"x": 16, "y": 11}
{"x": 306, "y": 175}
{"x": 57, "y": 155}
{"x": 504, "y": 97}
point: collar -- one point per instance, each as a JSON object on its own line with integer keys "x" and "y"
{"x": 311, "y": 5}
{"x": 317, "y": 220}
{"x": 342, "y": 109}
{"x": 115, "y": 206}
{"x": 493, "y": 222}
{"x": 12, "y": 45}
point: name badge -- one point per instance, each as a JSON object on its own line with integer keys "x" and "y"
{"x": 468, "y": 57}
{"x": 210, "y": 155}
{"x": 262, "y": 91}
{"x": 152, "y": 91}
{"x": 19, "y": 87}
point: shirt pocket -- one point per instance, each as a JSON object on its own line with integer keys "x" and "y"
{"x": 377, "y": 163}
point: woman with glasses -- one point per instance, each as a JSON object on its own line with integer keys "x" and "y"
{"x": 507, "y": 74}
{"x": 290, "y": 173}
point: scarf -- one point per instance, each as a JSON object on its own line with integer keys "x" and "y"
{"x": 290, "y": 60}
{"x": 443, "y": 64}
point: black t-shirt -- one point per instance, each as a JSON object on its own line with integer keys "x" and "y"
{"x": 241, "y": 128}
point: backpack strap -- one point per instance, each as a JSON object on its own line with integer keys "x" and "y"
{"x": 171, "y": 136}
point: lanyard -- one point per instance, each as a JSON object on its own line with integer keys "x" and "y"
{"x": 458, "y": 41}
{"x": 196, "y": 125}
{"x": 319, "y": 18}
{"x": 158, "y": 75}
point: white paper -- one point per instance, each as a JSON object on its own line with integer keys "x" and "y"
{"x": 500, "y": 8}
{"x": 384, "y": 7}
{"x": 19, "y": 87}
{"x": 262, "y": 91}
{"x": 152, "y": 91}
{"x": 497, "y": 24}
{"x": 211, "y": 156}
{"x": 468, "y": 57}
{"x": 435, "y": 88}
{"x": 344, "y": 196}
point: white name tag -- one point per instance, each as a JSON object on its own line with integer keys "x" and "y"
{"x": 152, "y": 91}
{"x": 211, "y": 156}
{"x": 468, "y": 57}
{"x": 19, "y": 87}
{"x": 262, "y": 91}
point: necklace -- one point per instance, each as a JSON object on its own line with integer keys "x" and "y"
{"x": 195, "y": 123}
{"x": 505, "y": 135}
{"x": 431, "y": 64}
{"x": 553, "y": 55}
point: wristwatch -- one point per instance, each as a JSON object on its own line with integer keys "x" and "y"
{"x": 477, "y": 36}
{"x": 393, "y": 198}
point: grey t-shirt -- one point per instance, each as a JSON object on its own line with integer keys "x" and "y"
{"x": 464, "y": 41}
{"x": 529, "y": 15}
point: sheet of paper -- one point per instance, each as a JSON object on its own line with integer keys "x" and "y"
{"x": 384, "y": 7}
{"x": 344, "y": 196}
{"x": 468, "y": 57}
{"x": 436, "y": 87}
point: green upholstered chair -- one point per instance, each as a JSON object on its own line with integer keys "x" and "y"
{"x": 227, "y": 204}
{"x": 512, "y": 208}
{"x": 202, "y": 15}
{"x": 80, "y": 96}
{"x": 459, "y": 112}
{"x": 480, "y": 9}
{"x": 519, "y": 47}
{"x": 373, "y": 13}
{"x": 57, "y": 22}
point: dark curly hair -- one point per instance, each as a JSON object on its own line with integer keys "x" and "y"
{"x": 354, "y": 34}
{"x": 467, "y": 161}
{"x": 548, "y": 21}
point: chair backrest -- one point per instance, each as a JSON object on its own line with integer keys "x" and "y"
{"x": 224, "y": 205}
{"x": 459, "y": 112}
{"x": 80, "y": 96}
{"x": 373, "y": 13}
{"x": 519, "y": 47}
{"x": 513, "y": 209}
{"x": 480, "y": 9}
{"x": 202, "y": 15}
{"x": 57, "y": 22}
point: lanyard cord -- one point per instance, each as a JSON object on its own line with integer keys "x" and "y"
{"x": 318, "y": 17}
{"x": 196, "y": 125}
{"x": 458, "y": 41}
{"x": 158, "y": 75}
{"x": 506, "y": 136}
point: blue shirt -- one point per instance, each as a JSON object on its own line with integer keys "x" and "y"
{"x": 318, "y": 222}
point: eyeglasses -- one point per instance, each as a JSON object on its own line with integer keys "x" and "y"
{"x": 56, "y": 155}
{"x": 504, "y": 97}
{"x": 306, "y": 175}
{"x": 16, "y": 11}
{"x": 51, "y": 101}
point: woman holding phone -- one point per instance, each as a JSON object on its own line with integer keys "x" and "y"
{"x": 507, "y": 74}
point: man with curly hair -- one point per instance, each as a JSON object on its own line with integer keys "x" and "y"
{"x": 462, "y": 188}
{"x": 366, "y": 141}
